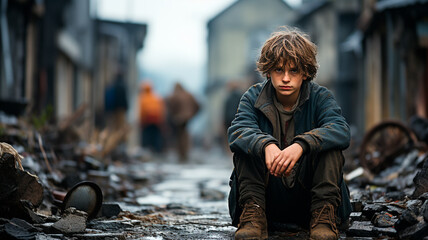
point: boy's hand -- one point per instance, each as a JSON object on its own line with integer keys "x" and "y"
{"x": 271, "y": 151}
{"x": 284, "y": 162}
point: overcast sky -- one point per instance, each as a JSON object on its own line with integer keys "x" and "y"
{"x": 175, "y": 45}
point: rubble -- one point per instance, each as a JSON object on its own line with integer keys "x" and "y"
{"x": 109, "y": 210}
{"x": 72, "y": 221}
{"x": 20, "y": 191}
{"x": 144, "y": 199}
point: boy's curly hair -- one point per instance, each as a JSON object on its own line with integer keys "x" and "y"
{"x": 289, "y": 45}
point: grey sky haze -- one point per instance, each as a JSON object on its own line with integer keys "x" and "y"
{"x": 175, "y": 46}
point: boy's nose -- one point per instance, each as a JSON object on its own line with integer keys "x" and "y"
{"x": 286, "y": 77}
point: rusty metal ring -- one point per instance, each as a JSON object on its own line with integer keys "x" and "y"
{"x": 384, "y": 142}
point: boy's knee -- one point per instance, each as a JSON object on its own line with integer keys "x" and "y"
{"x": 335, "y": 156}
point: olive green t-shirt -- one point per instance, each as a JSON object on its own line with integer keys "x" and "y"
{"x": 287, "y": 122}
{"x": 287, "y": 134}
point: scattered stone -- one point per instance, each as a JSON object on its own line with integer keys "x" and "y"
{"x": 424, "y": 211}
{"x": 407, "y": 219}
{"x": 212, "y": 194}
{"x": 388, "y": 231}
{"x": 423, "y": 197}
{"x": 357, "y": 206}
{"x": 19, "y": 189}
{"x": 19, "y": 229}
{"x": 361, "y": 229}
{"x": 383, "y": 220}
{"x": 370, "y": 209}
{"x": 394, "y": 209}
{"x": 416, "y": 231}
{"x": 362, "y": 195}
{"x": 99, "y": 236}
{"x": 356, "y": 216}
{"x": 174, "y": 206}
{"x": 42, "y": 236}
{"x": 109, "y": 210}
{"x": 112, "y": 225}
{"x": 414, "y": 205}
{"x": 395, "y": 196}
{"x": 421, "y": 181}
{"x": 47, "y": 227}
{"x": 73, "y": 221}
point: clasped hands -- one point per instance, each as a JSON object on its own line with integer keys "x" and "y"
{"x": 280, "y": 162}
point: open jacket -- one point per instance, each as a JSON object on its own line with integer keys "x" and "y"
{"x": 319, "y": 124}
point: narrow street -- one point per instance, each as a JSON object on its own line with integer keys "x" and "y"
{"x": 157, "y": 197}
{"x": 189, "y": 202}
{"x": 185, "y": 201}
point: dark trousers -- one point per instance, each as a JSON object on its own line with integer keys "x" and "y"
{"x": 151, "y": 137}
{"x": 318, "y": 181}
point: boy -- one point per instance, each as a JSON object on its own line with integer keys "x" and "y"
{"x": 287, "y": 138}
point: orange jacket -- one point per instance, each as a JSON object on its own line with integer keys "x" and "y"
{"x": 152, "y": 109}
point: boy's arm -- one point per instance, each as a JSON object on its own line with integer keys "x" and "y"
{"x": 244, "y": 134}
{"x": 333, "y": 131}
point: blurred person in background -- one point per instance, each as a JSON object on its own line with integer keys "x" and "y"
{"x": 182, "y": 107}
{"x": 114, "y": 135}
{"x": 230, "y": 107}
{"x": 152, "y": 118}
{"x": 116, "y": 103}
{"x": 287, "y": 138}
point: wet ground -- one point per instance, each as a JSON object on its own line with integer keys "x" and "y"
{"x": 189, "y": 202}
{"x": 183, "y": 201}
{"x": 165, "y": 199}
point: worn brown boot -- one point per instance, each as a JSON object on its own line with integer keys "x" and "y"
{"x": 252, "y": 223}
{"x": 323, "y": 223}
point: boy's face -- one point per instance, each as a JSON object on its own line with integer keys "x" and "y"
{"x": 287, "y": 80}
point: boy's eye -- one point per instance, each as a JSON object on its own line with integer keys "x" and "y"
{"x": 279, "y": 70}
{"x": 294, "y": 70}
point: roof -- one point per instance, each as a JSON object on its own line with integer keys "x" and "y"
{"x": 414, "y": 8}
{"x": 234, "y": 5}
{"x": 310, "y": 8}
{"x": 391, "y": 4}
{"x": 138, "y": 30}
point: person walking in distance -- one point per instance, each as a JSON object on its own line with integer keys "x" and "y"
{"x": 182, "y": 107}
{"x": 152, "y": 117}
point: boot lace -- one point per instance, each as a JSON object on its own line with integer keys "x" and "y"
{"x": 325, "y": 215}
{"x": 252, "y": 212}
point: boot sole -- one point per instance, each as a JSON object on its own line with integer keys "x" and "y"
{"x": 263, "y": 237}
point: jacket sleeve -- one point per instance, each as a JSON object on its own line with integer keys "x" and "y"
{"x": 331, "y": 129}
{"x": 244, "y": 134}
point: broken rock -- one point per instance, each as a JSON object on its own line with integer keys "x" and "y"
{"x": 18, "y": 189}
{"x": 18, "y": 229}
{"x": 416, "y": 231}
{"x": 383, "y": 220}
{"x": 109, "y": 210}
{"x": 73, "y": 221}
{"x": 407, "y": 219}
{"x": 361, "y": 229}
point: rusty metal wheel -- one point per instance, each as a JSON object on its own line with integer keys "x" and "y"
{"x": 383, "y": 143}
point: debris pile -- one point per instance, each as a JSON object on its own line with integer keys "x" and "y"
{"x": 54, "y": 185}
{"x": 51, "y": 180}
{"x": 390, "y": 194}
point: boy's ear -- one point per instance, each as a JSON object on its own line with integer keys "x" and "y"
{"x": 268, "y": 75}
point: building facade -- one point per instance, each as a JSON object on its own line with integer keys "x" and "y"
{"x": 235, "y": 37}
